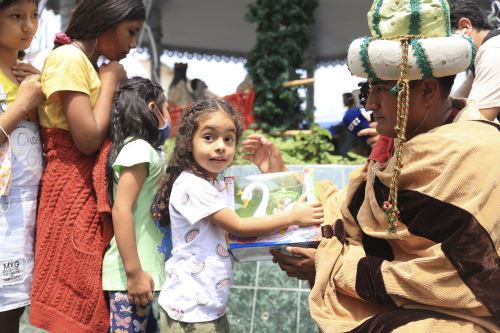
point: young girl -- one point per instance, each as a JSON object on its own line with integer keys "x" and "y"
{"x": 133, "y": 264}
{"x": 21, "y": 160}
{"x": 71, "y": 234}
{"x": 199, "y": 273}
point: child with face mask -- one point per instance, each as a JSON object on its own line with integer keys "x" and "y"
{"x": 133, "y": 266}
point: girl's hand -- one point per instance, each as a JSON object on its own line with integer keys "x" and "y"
{"x": 304, "y": 213}
{"x": 21, "y": 71}
{"x": 112, "y": 71}
{"x": 29, "y": 94}
{"x": 140, "y": 288}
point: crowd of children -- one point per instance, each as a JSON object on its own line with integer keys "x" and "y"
{"x": 84, "y": 143}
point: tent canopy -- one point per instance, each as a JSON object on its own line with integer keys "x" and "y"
{"x": 218, "y": 27}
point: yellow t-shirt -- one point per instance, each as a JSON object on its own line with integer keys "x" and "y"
{"x": 9, "y": 87}
{"x": 66, "y": 68}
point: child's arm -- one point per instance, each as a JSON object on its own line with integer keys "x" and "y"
{"x": 140, "y": 285}
{"x": 88, "y": 126}
{"x": 28, "y": 96}
{"x": 302, "y": 213}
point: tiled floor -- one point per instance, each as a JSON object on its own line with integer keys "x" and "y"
{"x": 273, "y": 302}
{"x": 270, "y": 302}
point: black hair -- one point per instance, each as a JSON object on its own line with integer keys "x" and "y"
{"x": 7, "y": 3}
{"x": 445, "y": 84}
{"x": 182, "y": 158}
{"x": 90, "y": 18}
{"x": 364, "y": 91}
{"x": 348, "y": 99}
{"x": 131, "y": 118}
{"x": 468, "y": 9}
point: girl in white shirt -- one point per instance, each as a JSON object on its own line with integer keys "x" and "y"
{"x": 192, "y": 201}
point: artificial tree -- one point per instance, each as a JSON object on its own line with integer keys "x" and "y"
{"x": 283, "y": 36}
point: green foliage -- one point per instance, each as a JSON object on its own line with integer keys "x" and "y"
{"x": 311, "y": 148}
{"x": 315, "y": 147}
{"x": 282, "y": 39}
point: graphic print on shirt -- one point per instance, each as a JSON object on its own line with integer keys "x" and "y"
{"x": 172, "y": 276}
{"x": 222, "y": 251}
{"x": 198, "y": 268}
{"x": 175, "y": 313}
{"x": 191, "y": 235}
{"x": 201, "y": 299}
{"x": 12, "y": 271}
{"x": 223, "y": 283}
{"x": 27, "y": 148}
{"x": 184, "y": 199}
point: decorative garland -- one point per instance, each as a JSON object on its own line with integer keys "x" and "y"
{"x": 422, "y": 59}
{"x": 474, "y": 51}
{"x": 446, "y": 14}
{"x": 415, "y": 17}
{"x": 365, "y": 59}
{"x": 376, "y": 18}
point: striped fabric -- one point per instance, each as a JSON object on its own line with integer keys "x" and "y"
{"x": 440, "y": 271}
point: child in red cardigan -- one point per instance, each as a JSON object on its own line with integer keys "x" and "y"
{"x": 71, "y": 235}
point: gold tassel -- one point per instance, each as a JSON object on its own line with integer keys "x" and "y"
{"x": 390, "y": 206}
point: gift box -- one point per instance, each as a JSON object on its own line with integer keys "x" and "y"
{"x": 264, "y": 195}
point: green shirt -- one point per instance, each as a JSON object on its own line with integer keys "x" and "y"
{"x": 148, "y": 236}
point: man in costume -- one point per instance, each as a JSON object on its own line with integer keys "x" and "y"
{"x": 412, "y": 244}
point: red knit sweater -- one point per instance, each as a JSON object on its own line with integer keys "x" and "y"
{"x": 71, "y": 237}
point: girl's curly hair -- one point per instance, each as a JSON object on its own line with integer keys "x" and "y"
{"x": 182, "y": 157}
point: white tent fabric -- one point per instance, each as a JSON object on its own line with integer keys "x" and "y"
{"x": 218, "y": 27}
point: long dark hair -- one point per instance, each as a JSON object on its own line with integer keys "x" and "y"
{"x": 90, "y": 18}
{"x": 131, "y": 118}
{"x": 182, "y": 158}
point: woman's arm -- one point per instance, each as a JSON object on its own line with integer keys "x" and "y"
{"x": 89, "y": 126}
{"x": 302, "y": 213}
{"x": 28, "y": 97}
{"x": 140, "y": 285}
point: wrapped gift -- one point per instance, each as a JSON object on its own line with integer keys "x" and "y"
{"x": 264, "y": 195}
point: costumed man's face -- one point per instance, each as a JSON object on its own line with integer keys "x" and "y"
{"x": 384, "y": 106}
